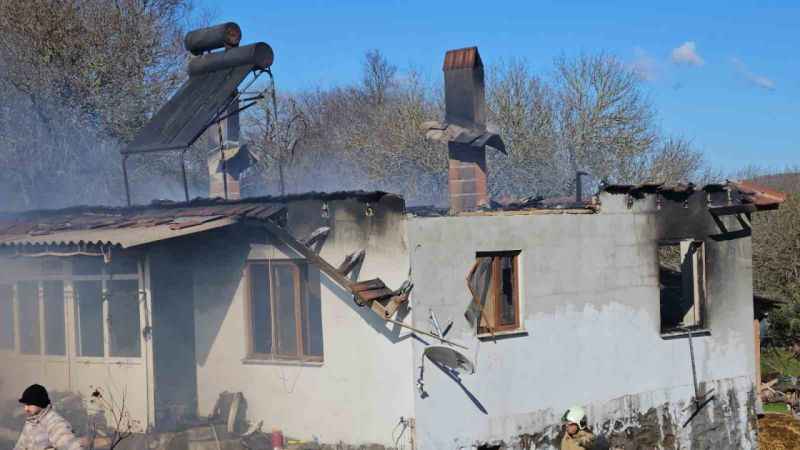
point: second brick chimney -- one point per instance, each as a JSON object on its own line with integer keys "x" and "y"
{"x": 465, "y": 107}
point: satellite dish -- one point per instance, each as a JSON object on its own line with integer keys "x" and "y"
{"x": 447, "y": 357}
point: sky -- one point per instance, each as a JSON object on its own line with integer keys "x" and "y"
{"x": 723, "y": 74}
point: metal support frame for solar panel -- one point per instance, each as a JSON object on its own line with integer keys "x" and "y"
{"x": 220, "y": 115}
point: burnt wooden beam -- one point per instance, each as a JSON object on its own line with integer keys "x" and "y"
{"x": 309, "y": 254}
{"x": 728, "y": 210}
{"x": 376, "y": 283}
{"x": 318, "y": 235}
{"x": 350, "y": 262}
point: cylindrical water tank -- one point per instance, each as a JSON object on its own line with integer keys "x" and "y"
{"x": 259, "y": 55}
{"x": 205, "y": 39}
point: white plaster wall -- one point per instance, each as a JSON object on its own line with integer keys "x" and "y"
{"x": 590, "y": 303}
{"x": 365, "y": 384}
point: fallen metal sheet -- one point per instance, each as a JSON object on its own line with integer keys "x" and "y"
{"x": 189, "y": 112}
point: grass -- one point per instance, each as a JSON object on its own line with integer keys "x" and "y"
{"x": 779, "y": 361}
{"x": 776, "y": 408}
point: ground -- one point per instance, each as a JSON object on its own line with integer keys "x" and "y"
{"x": 778, "y": 431}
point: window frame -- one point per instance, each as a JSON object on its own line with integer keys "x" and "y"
{"x": 72, "y": 313}
{"x": 301, "y": 293}
{"x": 699, "y": 286}
{"x": 496, "y": 295}
{"x": 105, "y": 280}
{"x": 12, "y": 289}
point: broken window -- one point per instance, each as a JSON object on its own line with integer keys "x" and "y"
{"x": 494, "y": 285}
{"x": 682, "y": 284}
{"x": 54, "y": 318}
{"x": 89, "y": 318}
{"x": 123, "y": 318}
{"x": 6, "y": 317}
{"x": 28, "y": 307}
{"x": 285, "y": 322}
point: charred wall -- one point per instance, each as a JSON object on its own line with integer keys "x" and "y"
{"x": 591, "y": 335}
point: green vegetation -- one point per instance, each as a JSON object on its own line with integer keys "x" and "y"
{"x": 779, "y": 361}
{"x": 776, "y": 408}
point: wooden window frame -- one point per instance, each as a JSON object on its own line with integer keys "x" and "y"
{"x": 496, "y": 294}
{"x": 71, "y": 312}
{"x": 699, "y": 284}
{"x": 300, "y": 293}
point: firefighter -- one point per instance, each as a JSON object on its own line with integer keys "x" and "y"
{"x": 44, "y": 428}
{"x": 576, "y": 436}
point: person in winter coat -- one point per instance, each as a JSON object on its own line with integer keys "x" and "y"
{"x": 576, "y": 436}
{"x": 44, "y": 428}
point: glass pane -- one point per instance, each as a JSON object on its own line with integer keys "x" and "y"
{"x": 260, "y": 310}
{"x": 54, "y": 329}
{"x": 285, "y": 295}
{"x": 123, "y": 318}
{"x": 312, "y": 316}
{"x": 123, "y": 265}
{"x": 508, "y": 310}
{"x": 28, "y": 301}
{"x": 87, "y": 265}
{"x": 89, "y": 326}
{"x": 6, "y": 317}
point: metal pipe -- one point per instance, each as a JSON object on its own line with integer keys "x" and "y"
{"x": 125, "y": 177}
{"x": 425, "y": 333}
{"x": 694, "y": 371}
{"x": 183, "y": 174}
{"x": 222, "y": 157}
{"x": 579, "y": 186}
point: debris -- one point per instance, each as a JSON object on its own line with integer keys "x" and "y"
{"x": 317, "y": 236}
{"x": 350, "y": 262}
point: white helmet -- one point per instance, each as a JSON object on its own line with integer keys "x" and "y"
{"x": 576, "y": 415}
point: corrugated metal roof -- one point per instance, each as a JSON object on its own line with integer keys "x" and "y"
{"x": 127, "y": 227}
{"x": 761, "y": 196}
{"x": 124, "y": 237}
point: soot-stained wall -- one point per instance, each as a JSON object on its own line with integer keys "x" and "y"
{"x": 589, "y": 289}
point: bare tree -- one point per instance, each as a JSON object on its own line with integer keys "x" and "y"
{"x": 274, "y": 132}
{"x": 80, "y": 77}
{"x": 605, "y": 124}
{"x": 378, "y": 76}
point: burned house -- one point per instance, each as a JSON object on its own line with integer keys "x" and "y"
{"x": 347, "y": 318}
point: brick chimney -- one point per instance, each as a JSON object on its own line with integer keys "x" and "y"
{"x": 466, "y": 107}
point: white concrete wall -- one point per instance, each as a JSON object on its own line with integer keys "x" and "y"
{"x": 590, "y": 304}
{"x": 365, "y": 384}
{"x": 71, "y": 373}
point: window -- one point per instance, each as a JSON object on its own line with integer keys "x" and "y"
{"x": 6, "y": 317}
{"x": 28, "y": 307}
{"x": 285, "y": 321}
{"x": 105, "y": 301}
{"x": 89, "y": 317}
{"x": 123, "y": 318}
{"x": 494, "y": 284}
{"x": 108, "y": 319}
{"x": 682, "y": 284}
{"x": 54, "y": 318}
